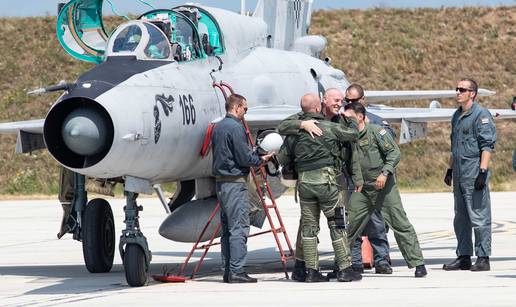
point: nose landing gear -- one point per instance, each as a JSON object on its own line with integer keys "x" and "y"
{"x": 136, "y": 256}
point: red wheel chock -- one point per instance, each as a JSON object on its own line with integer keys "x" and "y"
{"x": 169, "y": 278}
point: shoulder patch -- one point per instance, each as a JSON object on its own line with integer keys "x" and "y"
{"x": 485, "y": 120}
{"x": 383, "y": 131}
{"x": 385, "y": 123}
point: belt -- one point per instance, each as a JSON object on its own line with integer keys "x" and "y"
{"x": 242, "y": 179}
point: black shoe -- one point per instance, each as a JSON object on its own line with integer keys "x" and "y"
{"x": 332, "y": 274}
{"x": 359, "y": 268}
{"x": 420, "y": 271}
{"x": 348, "y": 274}
{"x": 315, "y": 276}
{"x": 225, "y": 277}
{"x": 482, "y": 264}
{"x": 240, "y": 278}
{"x": 461, "y": 263}
{"x": 299, "y": 272}
{"x": 383, "y": 268}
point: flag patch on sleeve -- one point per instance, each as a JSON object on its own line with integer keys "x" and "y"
{"x": 485, "y": 120}
{"x": 383, "y": 132}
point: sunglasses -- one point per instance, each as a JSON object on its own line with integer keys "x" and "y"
{"x": 349, "y": 100}
{"x": 462, "y": 90}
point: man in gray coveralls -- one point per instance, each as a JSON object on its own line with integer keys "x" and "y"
{"x": 473, "y": 138}
{"x": 232, "y": 159}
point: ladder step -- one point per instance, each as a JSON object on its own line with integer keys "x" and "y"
{"x": 205, "y": 246}
{"x": 278, "y": 230}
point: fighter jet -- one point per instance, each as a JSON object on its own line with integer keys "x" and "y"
{"x": 140, "y": 116}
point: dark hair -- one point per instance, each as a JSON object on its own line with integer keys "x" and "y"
{"x": 233, "y": 101}
{"x": 357, "y": 87}
{"x": 355, "y": 106}
{"x": 473, "y": 83}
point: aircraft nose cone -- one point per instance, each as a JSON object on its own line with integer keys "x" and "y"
{"x": 84, "y": 132}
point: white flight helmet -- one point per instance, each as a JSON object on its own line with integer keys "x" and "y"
{"x": 270, "y": 141}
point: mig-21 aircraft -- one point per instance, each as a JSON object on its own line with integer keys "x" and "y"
{"x": 140, "y": 116}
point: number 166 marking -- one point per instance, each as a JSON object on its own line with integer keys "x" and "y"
{"x": 186, "y": 104}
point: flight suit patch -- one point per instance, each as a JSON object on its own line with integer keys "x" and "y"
{"x": 383, "y": 132}
{"x": 364, "y": 142}
{"x": 485, "y": 120}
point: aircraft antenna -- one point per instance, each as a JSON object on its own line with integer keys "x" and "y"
{"x": 147, "y": 4}
{"x": 113, "y": 9}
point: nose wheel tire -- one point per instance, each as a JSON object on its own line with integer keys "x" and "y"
{"x": 135, "y": 265}
{"x": 98, "y": 236}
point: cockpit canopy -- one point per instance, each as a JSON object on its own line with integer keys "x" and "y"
{"x": 192, "y": 31}
{"x": 141, "y": 39}
{"x": 184, "y": 33}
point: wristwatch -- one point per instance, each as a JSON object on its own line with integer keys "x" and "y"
{"x": 385, "y": 173}
{"x": 483, "y": 170}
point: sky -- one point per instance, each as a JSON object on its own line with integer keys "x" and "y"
{"x": 49, "y": 7}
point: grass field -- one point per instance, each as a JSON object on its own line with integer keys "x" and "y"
{"x": 379, "y": 48}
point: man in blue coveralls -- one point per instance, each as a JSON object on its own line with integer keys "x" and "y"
{"x": 473, "y": 138}
{"x": 232, "y": 159}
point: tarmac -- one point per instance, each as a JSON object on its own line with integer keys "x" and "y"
{"x": 37, "y": 269}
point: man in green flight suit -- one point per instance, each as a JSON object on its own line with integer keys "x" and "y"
{"x": 379, "y": 155}
{"x": 292, "y": 125}
{"x": 318, "y": 162}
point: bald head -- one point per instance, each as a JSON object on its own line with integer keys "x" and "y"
{"x": 331, "y": 92}
{"x": 332, "y": 102}
{"x": 310, "y": 103}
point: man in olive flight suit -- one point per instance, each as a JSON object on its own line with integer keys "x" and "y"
{"x": 317, "y": 160}
{"x": 292, "y": 126}
{"x": 375, "y": 230}
{"x": 472, "y": 140}
{"x": 379, "y": 155}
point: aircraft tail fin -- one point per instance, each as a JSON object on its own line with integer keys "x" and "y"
{"x": 287, "y": 20}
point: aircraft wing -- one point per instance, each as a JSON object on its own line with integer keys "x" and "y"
{"x": 32, "y": 126}
{"x": 414, "y": 120}
{"x": 30, "y": 134}
{"x": 381, "y": 96}
{"x": 263, "y": 117}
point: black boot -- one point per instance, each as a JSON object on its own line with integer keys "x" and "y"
{"x": 225, "y": 277}
{"x": 420, "y": 271}
{"x": 332, "y": 274}
{"x": 461, "y": 263}
{"x": 299, "y": 272}
{"x": 482, "y": 264}
{"x": 383, "y": 268}
{"x": 315, "y": 276}
{"x": 240, "y": 278}
{"x": 348, "y": 274}
{"x": 359, "y": 268}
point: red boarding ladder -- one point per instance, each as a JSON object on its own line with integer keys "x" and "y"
{"x": 263, "y": 189}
